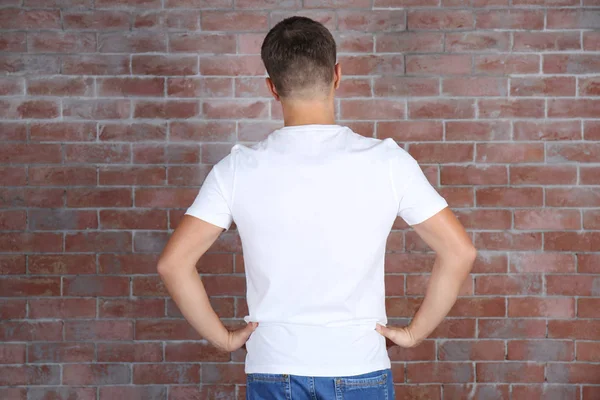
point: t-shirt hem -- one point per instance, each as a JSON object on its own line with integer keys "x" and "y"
{"x": 318, "y": 370}
{"x": 209, "y": 219}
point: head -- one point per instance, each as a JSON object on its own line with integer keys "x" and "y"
{"x": 300, "y": 57}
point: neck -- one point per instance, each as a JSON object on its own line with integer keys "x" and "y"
{"x": 308, "y": 112}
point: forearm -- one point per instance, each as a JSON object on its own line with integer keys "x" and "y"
{"x": 447, "y": 278}
{"x": 187, "y": 290}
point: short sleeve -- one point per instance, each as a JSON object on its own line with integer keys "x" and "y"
{"x": 211, "y": 203}
{"x": 417, "y": 198}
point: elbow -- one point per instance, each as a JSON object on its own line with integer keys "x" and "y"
{"x": 164, "y": 268}
{"x": 469, "y": 254}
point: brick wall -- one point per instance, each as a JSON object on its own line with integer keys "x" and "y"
{"x": 112, "y": 115}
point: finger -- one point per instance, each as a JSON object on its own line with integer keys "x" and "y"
{"x": 242, "y": 335}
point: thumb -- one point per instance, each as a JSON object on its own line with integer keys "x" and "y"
{"x": 244, "y": 333}
{"x": 385, "y": 331}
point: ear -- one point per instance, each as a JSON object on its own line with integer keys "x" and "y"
{"x": 337, "y": 75}
{"x": 272, "y": 89}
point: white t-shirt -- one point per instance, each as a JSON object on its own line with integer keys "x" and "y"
{"x": 314, "y": 205}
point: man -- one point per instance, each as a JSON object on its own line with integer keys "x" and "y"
{"x": 314, "y": 204}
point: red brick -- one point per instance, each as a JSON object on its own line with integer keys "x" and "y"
{"x": 442, "y": 152}
{"x": 123, "y": 87}
{"x": 27, "y": 331}
{"x": 161, "y": 329}
{"x": 97, "y": 109}
{"x": 546, "y": 41}
{"x": 14, "y": 18}
{"x": 485, "y": 219}
{"x": 572, "y": 241}
{"x": 441, "y": 109}
{"x": 29, "y": 375}
{"x": 455, "y": 328}
{"x": 13, "y": 309}
{"x": 439, "y": 372}
{"x": 62, "y": 308}
{"x": 572, "y": 197}
{"x": 166, "y": 154}
{"x": 478, "y": 391}
{"x": 583, "y": 108}
{"x": 129, "y": 352}
{"x": 92, "y": 64}
{"x": 555, "y": 86}
{"x": 410, "y": 130}
{"x": 573, "y": 18}
{"x": 166, "y": 373}
{"x": 132, "y": 42}
{"x": 194, "y": 352}
{"x": 224, "y": 307}
{"x": 511, "y": 19}
{"x": 572, "y": 285}
{"x": 13, "y": 131}
{"x": 406, "y": 42}
{"x": 202, "y": 43}
{"x": 30, "y": 153}
{"x": 578, "y": 329}
{"x": 267, "y": 4}
{"x": 11, "y": 86}
{"x": 133, "y": 219}
{"x": 231, "y": 65}
{"x": 509, "y": 197}
{"x": 458, "y": 197}
{"x": 98, "y": 241}
{"x": 235, "y": 109}
{"x": 510, "y": 153}
{"x": 223, "y": 373}
{"x": 131, "y": 308}
{"x": 149, "y": 286}
{"x": 512, "y": 328}
{"x": 135, "y": 132}
{"x": 508, "y": 241}
{"x": 545, "y": 262}
{"x": 12, "y": 353}
{"x": 372, "y": 109}
{"x": 547, "y": 219}
{"x": 20, "y": 109}
{"x": 591, "y": 40}
{"x": 541, "y": 307}
{"x": 200, "y": 87}
{"x": 14, "y": 176}
{"x": 444, "y": 20}
{"x": 97, "y": 19}
{"x": 63, "y": 131}
{"x": 541, "y": 350}
{"x": 512, "y": 108}
{"x": 558, "y": 175}
{"x": 588, "y": 351}
{"x": 429, "y": 392}
{"x": 127, "y": 264}
{"x": 14, "y": 42}
{"x": 133, "y": 3}
{"x": 13, "y": 220}
{"x": 402, "y": 306}
{"x": 582, "y": 153}
{"x": 465, "y": 350}
{"x": 124, "y": 175}
{"x": 29, "y": 64}
{"x": 371, "y": 21}
{"x": 473, "y": 174}
{"x": 13, "y": 264}
{"x": 573, "y": 373}
{"x": 394, "y": 86}
{"x": 96, "y": 286}
{"x": 166, "y": 109}
{"x": 60, "y": 86}
{"x": 99, "y": 197}
{"x": 571, "y": 64}
{"x": 60, "y": 352}
{"x": 479, "y": 307}
{"x": 591, "y": 219}
{"x": 510, "y": 372}
{"x": 475, "y": 86}
{"x": 18, "y": 197}
{"x": 588, "y": 308}
{"x": 438, "y": 64}
{"x": 589, "y": 86}
{"x": 202, "y": 131}
{"x": 528, "y": 392}
{"x": 133, "y": 392}
{"x": 164, "y": 65}
{"x": 234, "y": 21}
{"x": 424, "y": 352}
{"x": 506, "y": 64}
{"x": 477, "y": 41}
{"x": 62, "y": 219}
{"x": 29, "y": 286}
{"x": 99, "y": 330}
{"x": 394, "y": 285}
{"x": 61, "y": 42}
{"x": 96, "y": 374}
{"x": 508, "y": 284}
{"x": 555, "y": 130}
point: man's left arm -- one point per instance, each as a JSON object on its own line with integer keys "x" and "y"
{"x": 177, "y": 268}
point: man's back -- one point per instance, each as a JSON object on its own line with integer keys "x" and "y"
{"x": 314, "y": 205}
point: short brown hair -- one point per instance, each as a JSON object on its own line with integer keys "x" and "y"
{"x": 299, "y": 54}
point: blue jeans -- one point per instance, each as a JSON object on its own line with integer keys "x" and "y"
{"x": 377, "y": 385}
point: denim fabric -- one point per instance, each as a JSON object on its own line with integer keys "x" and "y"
{"x": 377, "y": 385}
